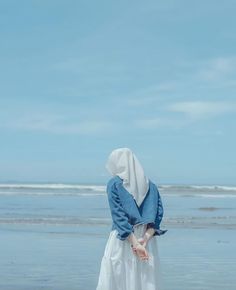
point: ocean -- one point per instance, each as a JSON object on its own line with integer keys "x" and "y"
{"x": 53, "y": 236}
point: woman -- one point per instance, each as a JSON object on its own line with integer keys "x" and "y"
{"x": 131, "y": 259}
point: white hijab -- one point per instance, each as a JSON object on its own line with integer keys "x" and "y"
{"x": 124, "y": 163}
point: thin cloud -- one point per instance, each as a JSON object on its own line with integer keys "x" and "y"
{"x": 149, "y": 123}
{"x": 202, "y": 109}
{"x": 218, "y": 68}
{"x": 181, "y": 114}
{"x": 149, "y": 95}
{"x": 59, "y": 125}
{"x": 158, "y": 123}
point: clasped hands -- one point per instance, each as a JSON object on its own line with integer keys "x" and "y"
{"x": 139, "y": 245}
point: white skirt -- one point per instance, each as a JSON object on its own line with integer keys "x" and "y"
{"x": 121, "y": 269}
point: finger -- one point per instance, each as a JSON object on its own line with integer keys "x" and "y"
{"x": 144, "y": 258}
{"x": 146, "y": 255}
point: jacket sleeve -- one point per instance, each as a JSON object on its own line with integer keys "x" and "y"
{"x": 119, "y": 216}
{"x": 159, "y": 216}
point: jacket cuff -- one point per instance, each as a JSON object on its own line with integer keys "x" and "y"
{"x": 124, "y": 235}
{"x": 158, "y": 231}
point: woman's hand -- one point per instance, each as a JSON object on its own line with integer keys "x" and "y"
{"x": 137, "y": 248}
{"x": 140, "y": 251}
{"x": 143, "y": 241}
{"x": 146, "y": 237}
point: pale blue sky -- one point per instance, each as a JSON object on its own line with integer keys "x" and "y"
{"x": 80, "y": 78}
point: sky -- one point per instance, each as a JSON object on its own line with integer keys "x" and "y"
{"x": 81, "y": 78}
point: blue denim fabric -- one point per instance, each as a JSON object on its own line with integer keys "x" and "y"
{"x": 125, "y": 212}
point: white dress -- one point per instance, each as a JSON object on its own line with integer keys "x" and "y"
{"x": 121, "y": 269}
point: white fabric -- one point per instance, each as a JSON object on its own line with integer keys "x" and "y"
{"x": 122, "y": 270}
{"x": 124, "y": 163}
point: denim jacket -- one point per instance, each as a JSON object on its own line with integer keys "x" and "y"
{"x": 126, "y": 213}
